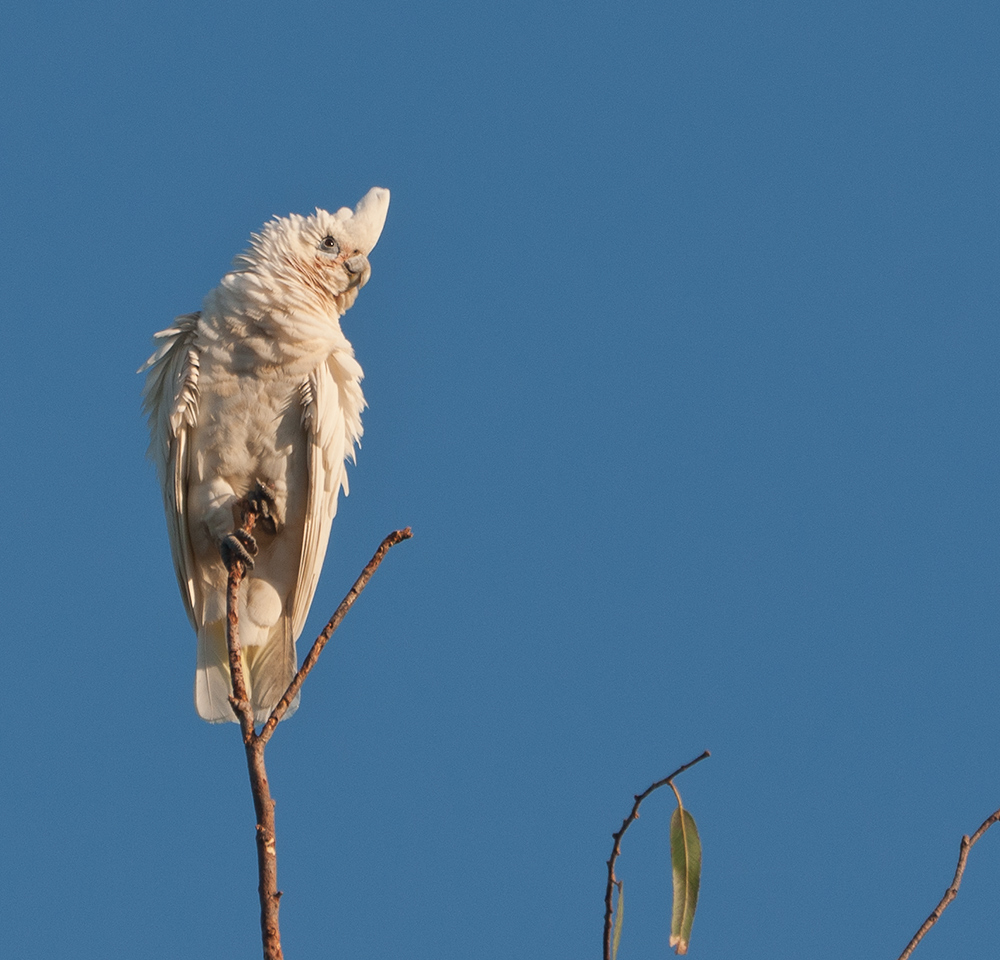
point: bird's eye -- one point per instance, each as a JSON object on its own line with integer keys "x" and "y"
{"x": 330, "y": 245}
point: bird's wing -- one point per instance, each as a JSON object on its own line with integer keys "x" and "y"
{"x": 170, "y": 399}
{"x": 331, "y": 416}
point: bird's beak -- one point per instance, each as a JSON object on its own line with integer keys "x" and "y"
{"x": 358, "y": 270}
{"x": 363, "y": 225}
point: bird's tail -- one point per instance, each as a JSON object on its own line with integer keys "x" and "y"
{"x": 272, "y": 668}
{"x": 268, "y": 669}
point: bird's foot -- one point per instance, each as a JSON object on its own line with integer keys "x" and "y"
{"x": 262, "y": 500}
{"x": 238, "y": 546}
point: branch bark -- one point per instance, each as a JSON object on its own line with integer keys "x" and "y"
{"x": 397, "y": 536}
{"x": 254, "y": 743}
{"x": 965, "y": 846}
{"x": 617, "y": 848}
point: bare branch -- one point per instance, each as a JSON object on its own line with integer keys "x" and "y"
{"x": 397, "y": 536}
{"x": 617, "y": 849}
{"x": 963, "y": 855}
{"x": 254, "y": 743}
{"x": 267, "y": 864}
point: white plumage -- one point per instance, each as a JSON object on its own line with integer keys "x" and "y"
{"x": 261, "y": 387}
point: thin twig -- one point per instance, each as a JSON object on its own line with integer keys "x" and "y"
{"x": 617, "y": 849}
{"x": 254, "y": 743}
{"x": 963, "y": 855}
{"x": 397, "y": 536}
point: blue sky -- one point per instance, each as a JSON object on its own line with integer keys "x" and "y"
{"x": 681, "y": 353}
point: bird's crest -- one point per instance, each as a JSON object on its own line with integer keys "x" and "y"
{"x": 356, "y": 231}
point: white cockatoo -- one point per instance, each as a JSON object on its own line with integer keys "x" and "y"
{"x": 259, "y": 395}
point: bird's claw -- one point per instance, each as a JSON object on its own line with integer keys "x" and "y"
{"x": 238, "y": 545}
{"x": 262, "y": 500}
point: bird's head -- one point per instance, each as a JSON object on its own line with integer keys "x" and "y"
{"x": 320, "y": 259}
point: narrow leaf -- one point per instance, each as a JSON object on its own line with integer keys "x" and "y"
{"x": 685, "y": 860}
{"x": 619, "y": 913}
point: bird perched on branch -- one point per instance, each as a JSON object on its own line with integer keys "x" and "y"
{"x": 258, "y": 396}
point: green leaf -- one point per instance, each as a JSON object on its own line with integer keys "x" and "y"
{"x": 619, "y": 913}
{"x": 685, "y": 861}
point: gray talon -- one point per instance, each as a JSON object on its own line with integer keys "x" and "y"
{"x": 263, "y": 502}
{"x": 238, "y": 545}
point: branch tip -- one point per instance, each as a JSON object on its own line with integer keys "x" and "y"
{"x": 617, "y": 837}
{"x": 397, "y": 536}
{"x": 966, "y": 844}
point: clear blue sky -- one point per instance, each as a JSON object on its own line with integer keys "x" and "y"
{"x": 681, "y": 349}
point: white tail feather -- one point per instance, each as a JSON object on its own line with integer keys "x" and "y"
{"x": 267, "y": 671}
